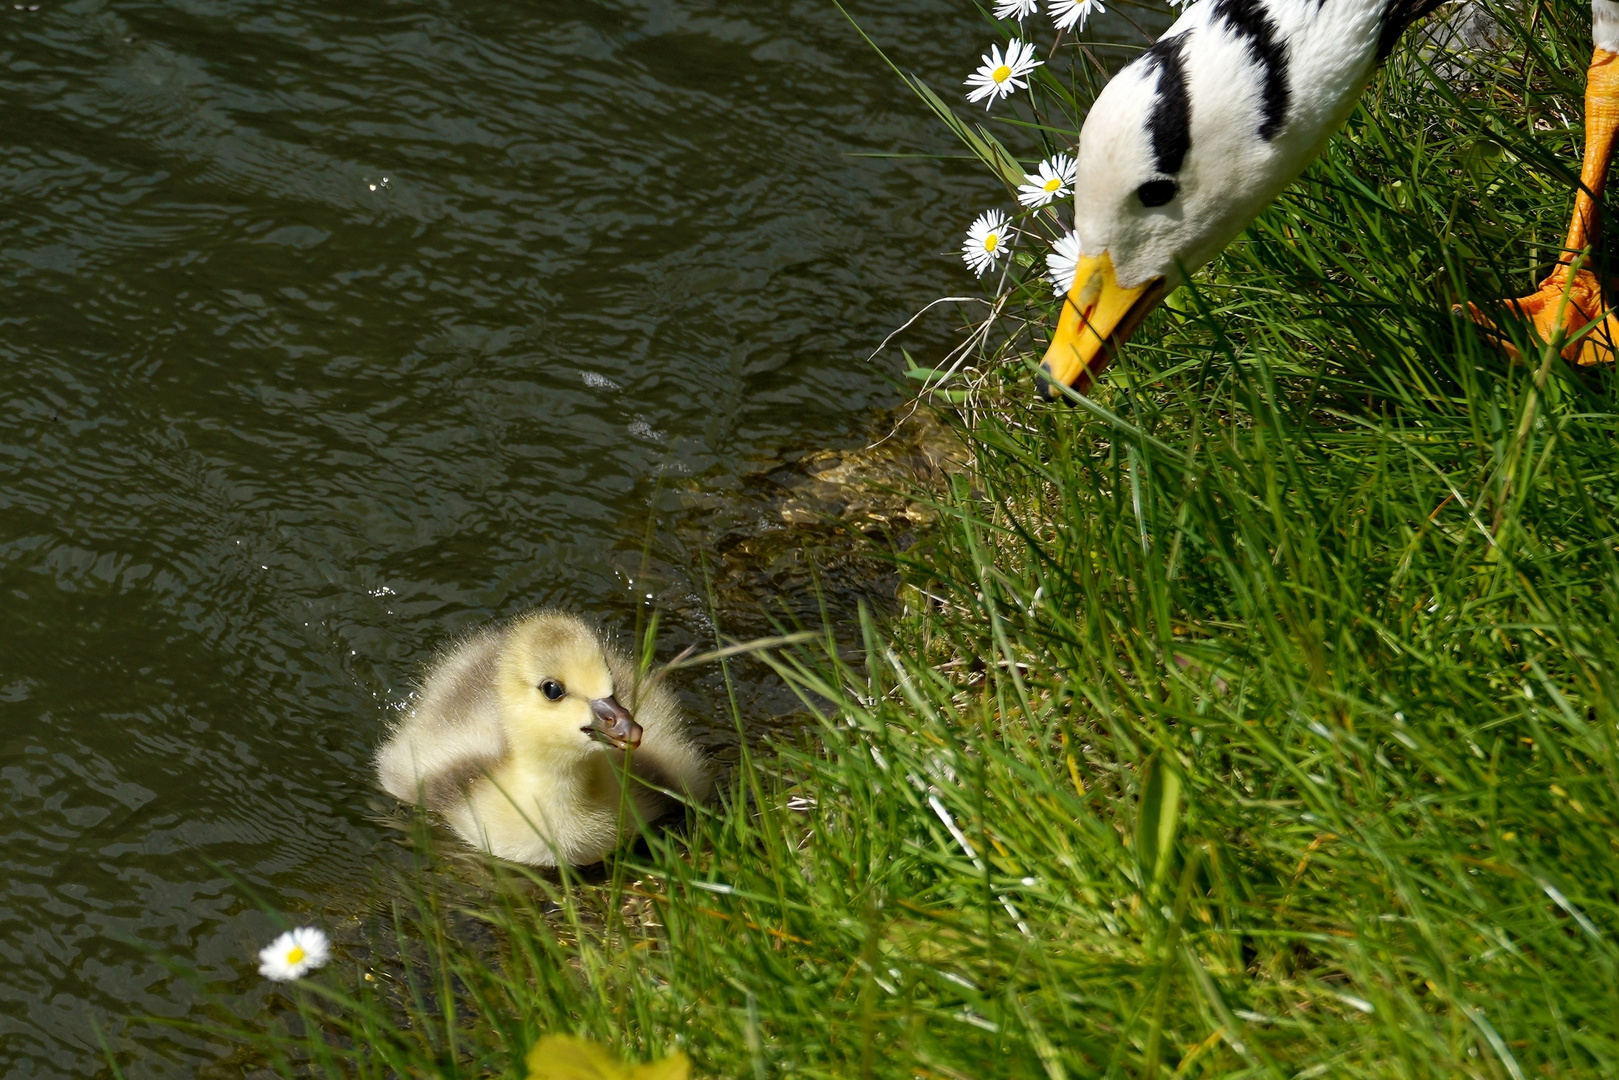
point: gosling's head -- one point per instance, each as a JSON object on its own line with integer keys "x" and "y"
{"x": 557, "y": 689}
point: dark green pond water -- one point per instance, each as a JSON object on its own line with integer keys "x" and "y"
{"x": 330, "y": 330}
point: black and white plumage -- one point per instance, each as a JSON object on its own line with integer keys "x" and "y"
{"x": 1188, "y": 143}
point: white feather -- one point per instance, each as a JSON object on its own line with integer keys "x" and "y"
{"x": 1230, "y": 172}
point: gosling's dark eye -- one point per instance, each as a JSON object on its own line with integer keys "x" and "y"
{"x": 552, "y": 690}
{"x": 1156, "y": 192}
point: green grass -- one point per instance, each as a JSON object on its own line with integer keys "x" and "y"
{"x": 1258, "y": 721}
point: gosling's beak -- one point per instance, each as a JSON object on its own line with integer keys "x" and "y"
{"x": 612, "y": 723}
{"x": 1097, "y": 318}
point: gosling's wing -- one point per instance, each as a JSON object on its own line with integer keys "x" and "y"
{"x": 452, "y": 735}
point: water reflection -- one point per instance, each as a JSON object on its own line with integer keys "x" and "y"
{"x": 329, "y": 333}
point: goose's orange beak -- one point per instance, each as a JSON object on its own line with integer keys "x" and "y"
{"x": 1098, "y": 317}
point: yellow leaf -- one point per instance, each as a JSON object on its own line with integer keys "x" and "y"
{"x": 565, "y": 1057}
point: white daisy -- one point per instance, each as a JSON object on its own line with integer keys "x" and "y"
{"x": 1061, "y": 261}
{"x": 293, "y": 954}
{"x": 987, "y": 241}
{"x": 998, "y": 76}
{"x": 1066, "y": 13}
{"x": 1018, "y": 9}
{"x": 1051, "y": 180}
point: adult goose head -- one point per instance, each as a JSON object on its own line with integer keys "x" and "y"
{"x": 1188, "y": 143}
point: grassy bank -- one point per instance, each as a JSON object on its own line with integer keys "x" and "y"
{"x": 1258, "y": 720}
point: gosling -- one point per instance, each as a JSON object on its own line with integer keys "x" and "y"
{"x": 518, "y": 737}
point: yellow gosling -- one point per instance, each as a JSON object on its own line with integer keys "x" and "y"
{"x": 518, "y": 738}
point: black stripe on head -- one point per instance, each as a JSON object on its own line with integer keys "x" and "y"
{"x": 1170, "y": 121}
{"x": 1396, "y": 17}
{"x": 1248, "y": 19}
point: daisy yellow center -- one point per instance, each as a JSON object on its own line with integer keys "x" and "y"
{"x": 1001, "y": 74}
{"x": 1054, "y": 183}
{"x": 295, "y": 955}
{"x": 991, "y": 242}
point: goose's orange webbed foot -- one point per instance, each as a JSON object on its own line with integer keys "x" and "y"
{"x": 1562, "y": 309}
{"x": 1569, "y": 300}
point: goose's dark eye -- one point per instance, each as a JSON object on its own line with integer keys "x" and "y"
{"x": 552, "y": 690}
{"x": 1156, "y": 192}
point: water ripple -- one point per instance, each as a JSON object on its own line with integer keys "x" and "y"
{"x": 272, "y": 429}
